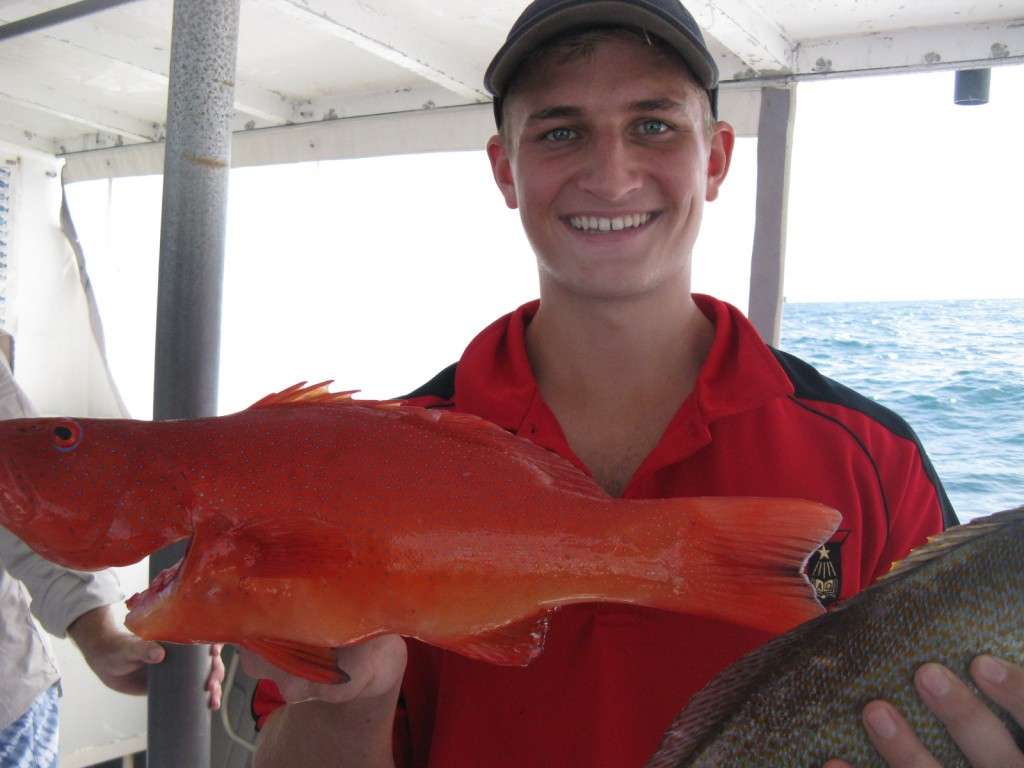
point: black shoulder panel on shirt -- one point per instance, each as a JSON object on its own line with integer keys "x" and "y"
{"x": 810, "y": 384}
{"x": 442, "y": 386}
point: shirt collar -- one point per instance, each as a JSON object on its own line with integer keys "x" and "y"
{"x": 494, "y": 379}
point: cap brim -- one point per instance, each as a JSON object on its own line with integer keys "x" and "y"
{"x": 587, "y": 13}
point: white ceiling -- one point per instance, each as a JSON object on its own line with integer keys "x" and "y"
{"x": 101, "y": 81}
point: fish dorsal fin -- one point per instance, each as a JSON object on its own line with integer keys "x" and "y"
{"x": 465, "y": 426}
{"x": 951, "y": 539}
{"x": 308, "y": 661}
{"x": 512, "y": 645}
{"x": 319, "y": 394}
{"x": 557, "y": 470}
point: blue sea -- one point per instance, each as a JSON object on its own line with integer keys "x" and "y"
{"x": 953, "y": 369}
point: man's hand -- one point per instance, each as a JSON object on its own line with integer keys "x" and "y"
{"x": 982, "y": 738}
{"x": 374, "y": 667}
{"x": 342, "y": 724}
{"x": 120, "y": 659}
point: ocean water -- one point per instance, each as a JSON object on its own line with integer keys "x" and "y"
{"x": 953, "y": 369}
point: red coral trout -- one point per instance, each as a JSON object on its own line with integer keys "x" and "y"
{"x": 316, "y": 520}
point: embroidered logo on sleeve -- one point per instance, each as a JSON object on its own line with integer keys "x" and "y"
{"x": 825, "y": 570}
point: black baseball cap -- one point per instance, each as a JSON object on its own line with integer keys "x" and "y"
{"x": 545, "y": 19}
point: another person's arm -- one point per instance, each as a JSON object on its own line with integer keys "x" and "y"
{"x": 80, "y": 604}
{"x": 348, "y": 724}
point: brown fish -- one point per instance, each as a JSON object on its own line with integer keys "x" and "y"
{"x": 797, "y": 701}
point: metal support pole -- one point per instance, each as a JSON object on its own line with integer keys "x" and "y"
{"x": 57, "y": 16}
{"x": 204, "y": 43}
{"x": 774, "y": 141}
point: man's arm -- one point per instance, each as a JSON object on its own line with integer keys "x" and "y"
{"x": 348, "y": 724}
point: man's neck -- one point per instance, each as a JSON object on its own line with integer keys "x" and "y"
{"x": 597, "y": 351}
{"x": 615, "y": 373}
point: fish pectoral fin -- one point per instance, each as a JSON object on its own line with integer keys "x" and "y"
{"x": 312, "y": 662}
{"x": 292, "y": 547}
{"x": 512, "y": 645}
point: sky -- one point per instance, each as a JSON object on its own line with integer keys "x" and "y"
{"x": 377, "y": 272}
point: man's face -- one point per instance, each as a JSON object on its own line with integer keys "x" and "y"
{"x": 609, "y": 162}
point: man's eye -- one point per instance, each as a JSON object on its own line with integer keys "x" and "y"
{"x": 560, "y": 134}
{"x": 653, "y": 127}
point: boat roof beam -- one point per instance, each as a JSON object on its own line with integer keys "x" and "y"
{"x": 57, "y": 16}
{"x": 742, "y": 28}
{"x": 375, "y": 28}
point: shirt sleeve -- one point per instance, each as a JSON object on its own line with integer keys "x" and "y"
{"x": 266, "y": 699}
{"x": 59, "y": 595}
{"x": 918, "y": 505}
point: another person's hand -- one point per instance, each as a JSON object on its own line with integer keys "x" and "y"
{"x": 215, "y": 680}
{"x": 982, "y": 738}
{"x": 118, "y": 657}
{"x": 374, "y": 667}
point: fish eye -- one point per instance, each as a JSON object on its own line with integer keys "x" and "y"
{"x": 67, "y": 435}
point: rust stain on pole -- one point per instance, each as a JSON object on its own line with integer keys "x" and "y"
{"x": 209, "y": 162}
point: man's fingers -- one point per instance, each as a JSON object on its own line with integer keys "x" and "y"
{"x": 981, "y": 736}
{"x": 1002, "y": 682}
{"x": 215, "y": 680}
{"x": 894, "y": 739}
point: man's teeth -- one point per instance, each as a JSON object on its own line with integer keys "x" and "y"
{"x": 603, "y": 224}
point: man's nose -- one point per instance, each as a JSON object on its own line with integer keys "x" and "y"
{"x": 611, "y": 172}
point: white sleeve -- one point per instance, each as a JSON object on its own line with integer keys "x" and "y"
{"x": 59, "y": 595}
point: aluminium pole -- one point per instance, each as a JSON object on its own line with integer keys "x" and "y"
{"x": 204, "y": 43}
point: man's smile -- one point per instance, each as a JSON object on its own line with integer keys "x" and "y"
{"x": 591, "y": 223}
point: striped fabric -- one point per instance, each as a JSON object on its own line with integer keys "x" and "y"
{"x": 31, "y": 740}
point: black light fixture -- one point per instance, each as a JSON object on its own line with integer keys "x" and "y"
{"x": 972, "y": 86}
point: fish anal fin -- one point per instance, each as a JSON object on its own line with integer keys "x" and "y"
{"x": 308, "y": 661}
{"x": 511, "y": 645}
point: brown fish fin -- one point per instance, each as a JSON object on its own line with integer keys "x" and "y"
{"x": 309, "y": 661}
{"x": 941, "y": 543}
{"x": 709, "y": 710}
{"x": 512, "y": 645}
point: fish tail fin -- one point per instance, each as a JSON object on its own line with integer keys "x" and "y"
{"x": 748, "y": 556}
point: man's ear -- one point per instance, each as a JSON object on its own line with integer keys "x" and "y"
{"x": 501, "y": 167}
{"x": 723, "y": 138}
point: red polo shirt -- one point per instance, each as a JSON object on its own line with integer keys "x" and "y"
{"x": 612, "y": 677}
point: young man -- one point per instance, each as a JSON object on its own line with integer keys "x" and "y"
{"x": 609, "y": 148}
